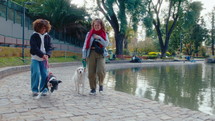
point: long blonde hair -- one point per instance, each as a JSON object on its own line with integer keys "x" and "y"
{"x": 100, "y": 22}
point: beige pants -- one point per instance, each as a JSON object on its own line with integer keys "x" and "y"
{"x": 96, "y": 69}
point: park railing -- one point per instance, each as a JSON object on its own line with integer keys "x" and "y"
{"x": 9, "y": 41}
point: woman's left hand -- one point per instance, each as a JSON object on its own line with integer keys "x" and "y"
{"x": 46, "y": 57}
{"x": 96, "y": 36}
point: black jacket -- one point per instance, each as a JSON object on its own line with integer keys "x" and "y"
{"x": 35, "y": 43}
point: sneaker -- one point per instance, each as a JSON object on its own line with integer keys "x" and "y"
{"x": 93, "y": 92}
{"x": 34, "y": 94}
{"x": 100, "y": 88}
{"x": 44, "y": 93}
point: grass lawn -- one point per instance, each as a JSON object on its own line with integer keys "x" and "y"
{"x": 17, "y": 61}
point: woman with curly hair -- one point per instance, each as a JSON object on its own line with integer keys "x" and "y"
{"x": 40, "y": 49}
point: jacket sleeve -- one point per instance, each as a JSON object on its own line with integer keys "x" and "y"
{"x": 105, "y": 43}
{"x": 35, "y": 50}
{"x": 49, "y": 46}
{"x": 84, "y": 50}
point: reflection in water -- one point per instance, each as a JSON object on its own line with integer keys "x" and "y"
{"x": 189, "y": 86}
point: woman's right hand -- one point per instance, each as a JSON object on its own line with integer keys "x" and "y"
{"x": 84, "y": 63}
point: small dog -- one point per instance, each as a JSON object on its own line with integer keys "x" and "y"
{"x": 52, "y": 84}
{"x": 79, "y": 79}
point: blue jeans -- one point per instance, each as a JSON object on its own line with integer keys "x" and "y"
{"x": 39, "y": 73}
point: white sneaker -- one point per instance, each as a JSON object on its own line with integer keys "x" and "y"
{"x": 44, "y": 94}
{"x": 101, "y": 92}
{"x": 34, "y": 94}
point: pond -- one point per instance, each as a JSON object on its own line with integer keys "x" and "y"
{"x": 189, "y": 86}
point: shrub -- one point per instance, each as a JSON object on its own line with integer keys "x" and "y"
{"x": 10, "y": 52}
{"x": 17, "y": 52}
{"x": 152, "y": 56}
{"x": 168, "y": 53}
{"x": 126, "y": 52}
{"x": 153, "y": 53}
{"x": 144, "y": 57}
{"x": 158, "y": 53}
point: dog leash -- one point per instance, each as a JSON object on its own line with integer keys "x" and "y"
{"x": 47, "y": 65}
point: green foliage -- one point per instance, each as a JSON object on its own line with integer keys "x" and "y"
{"x": 126, "y": 15}
{"x": 122, "y": 17}
{"x": 202, "y": 51}
{"x": 210, "y": 40}
{"x": 190, "y": 30}
{"x": 143, "y": 47}
{"x": 148, "y": 24}
{"x": 17, "y": 61}
{"x": 136, "y": 9}
{"x": 164, "y": 23}
{"x": 152, "y": 56}
{"x": 198, "y": 35}
{"x": 20, "y": 2}
{"x": 59, "y": 12}
{"x": 12, "y": 57}
{"x": 126, "y": 52}
{"x": 67, "y": 19}
{"x": 192, "y": 14}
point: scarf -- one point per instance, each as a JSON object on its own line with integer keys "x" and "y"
{"x": 93, "y": 31}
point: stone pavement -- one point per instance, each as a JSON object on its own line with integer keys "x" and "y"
{"x": 17, "y": 104}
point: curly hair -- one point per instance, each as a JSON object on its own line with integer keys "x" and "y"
{"x": 40, "y": 23}
{"x": 100, "y": 22}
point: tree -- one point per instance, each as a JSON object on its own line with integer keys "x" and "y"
{"x": 129, "y": 35}
{"x": 199, "y": 35}
{"x": 59, "y": 12}
{"x": 117, "y": 17}
{"x": 190, "y": 29}
{"x": 212, "y": 33}
{"x": 194, "y": 28}
{"x": 171, "y": 16}
{"x": 64, "y": 16}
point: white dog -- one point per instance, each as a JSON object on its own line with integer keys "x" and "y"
{"x": 79, "y": 79}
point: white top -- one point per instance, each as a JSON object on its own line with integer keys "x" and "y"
{"x": 42, "y": 48}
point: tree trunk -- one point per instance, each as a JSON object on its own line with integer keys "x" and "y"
{"x": 163, "y": 51}
{"x": 165, "y": 47}
{"x": 212, "y": 33}
{"x": 125, "y": 43}
{"x": 119, "y": 44}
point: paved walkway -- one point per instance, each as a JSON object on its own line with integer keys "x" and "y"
{"x": 17, "y": 104}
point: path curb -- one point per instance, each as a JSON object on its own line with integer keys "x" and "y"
{"x": 7, "y": 71}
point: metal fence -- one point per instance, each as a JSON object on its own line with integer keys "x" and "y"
{"x": 17, "y": 42}
{"x": 13, "y": 12}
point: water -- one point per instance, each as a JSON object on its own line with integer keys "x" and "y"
{"x": 188, "y": 86}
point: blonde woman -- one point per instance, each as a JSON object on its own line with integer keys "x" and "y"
{"x": 96, "y": 37}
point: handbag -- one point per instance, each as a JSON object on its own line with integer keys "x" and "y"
{"x": 98, "y": 49}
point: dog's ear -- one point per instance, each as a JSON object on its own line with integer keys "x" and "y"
{"x": 59, "y": 81}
